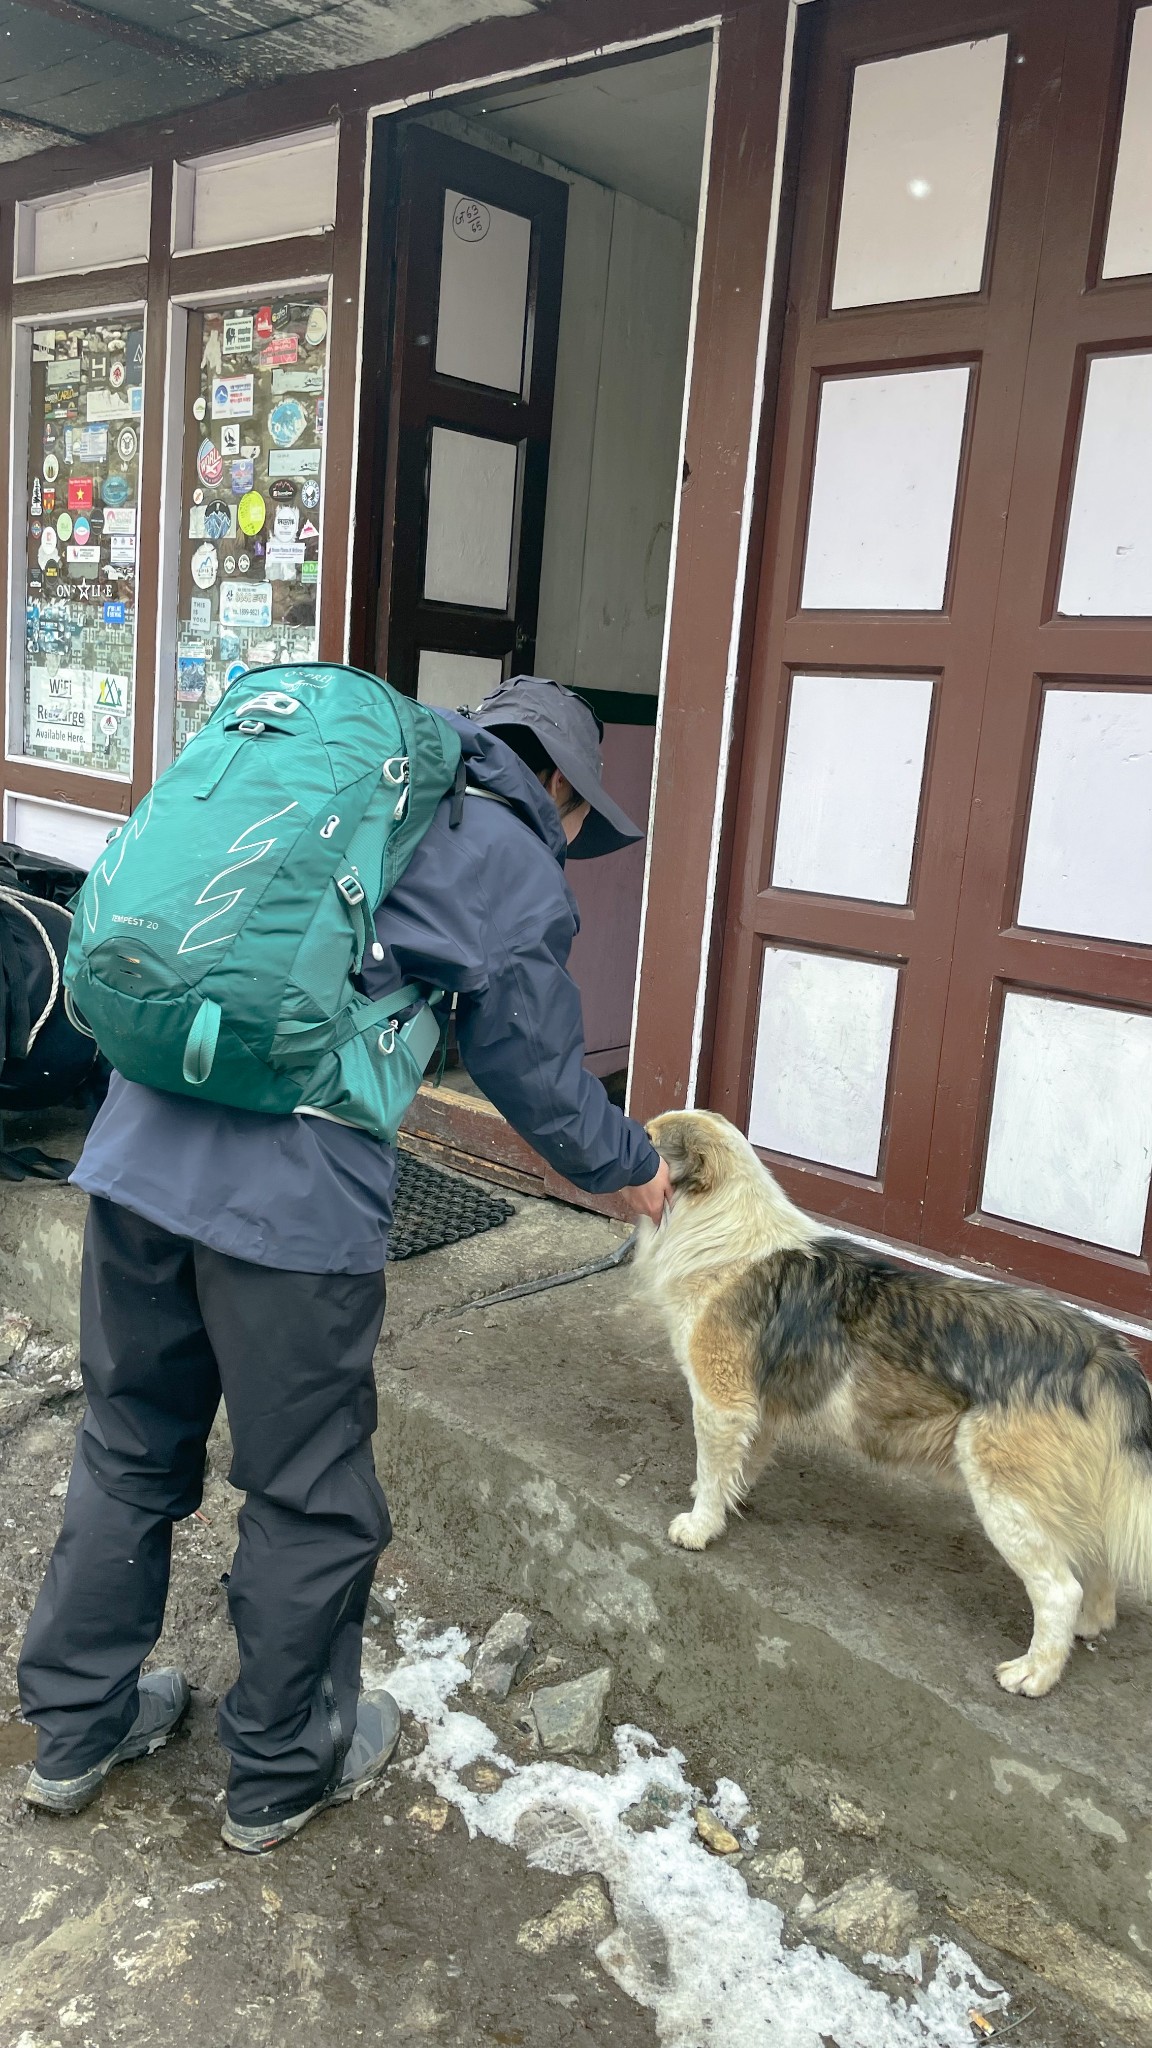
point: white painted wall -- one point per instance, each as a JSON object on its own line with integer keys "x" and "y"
{"x": 615, "y": 442}
{"x": 615, "y": 429}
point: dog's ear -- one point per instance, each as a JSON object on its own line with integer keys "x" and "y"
{"x": 691, "y": 1152}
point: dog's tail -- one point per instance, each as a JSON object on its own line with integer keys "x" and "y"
{"x": 1120, "y": 1417}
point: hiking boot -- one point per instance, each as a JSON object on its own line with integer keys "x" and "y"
{"x": 371, "y": 1750}
{"x": 164, "y": 1697}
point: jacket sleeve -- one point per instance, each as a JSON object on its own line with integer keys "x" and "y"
{"x": 521, "y": 1038}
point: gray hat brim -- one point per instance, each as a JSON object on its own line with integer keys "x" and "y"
{"x": 607, "y": 827}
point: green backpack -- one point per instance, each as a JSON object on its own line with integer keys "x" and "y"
{"x": 214, "y": 942}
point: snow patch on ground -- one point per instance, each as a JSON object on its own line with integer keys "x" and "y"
{"x": 690, "y": 1941}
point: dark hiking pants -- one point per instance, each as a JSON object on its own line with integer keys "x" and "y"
{"x": 167, "y": 1326}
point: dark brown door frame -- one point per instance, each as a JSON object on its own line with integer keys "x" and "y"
{"x": 418, "y": 398}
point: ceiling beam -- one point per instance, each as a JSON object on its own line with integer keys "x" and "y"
{"x": 154, "y": 43}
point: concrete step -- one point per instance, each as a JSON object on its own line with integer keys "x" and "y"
{"x": 843, "y": 1635}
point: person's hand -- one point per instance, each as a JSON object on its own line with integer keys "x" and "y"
{"x": 650, "y": 1198}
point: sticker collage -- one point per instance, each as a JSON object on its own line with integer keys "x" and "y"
{"x": 86, "y": 404}
{"x": 250, "y": 507}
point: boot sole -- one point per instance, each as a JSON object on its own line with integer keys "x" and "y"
{"x": 251, "y": 1841}
{"x": 39, "y": 1793}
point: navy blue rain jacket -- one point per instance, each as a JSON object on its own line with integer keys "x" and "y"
{"x": 483, "y": 912}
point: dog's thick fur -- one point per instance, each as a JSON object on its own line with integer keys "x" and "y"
{"x": 1040, "y": 1413}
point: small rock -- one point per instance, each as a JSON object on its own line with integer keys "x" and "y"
{"x": 54, "y": 1368}
{"x": 502, "y": 1655}
{"x": 14, "y": 1331}
{"x": 867, "y": 1913}
{"x": 58, "y": 1491}
{"x": 654, "y": 1809}
{"x": 16, "y": 1404}
{"x": 483, "y": 1777}
{"x": 567, "y": 1717}
{"x": 852, "y": 1819}
{"x": 775, "y": 1877}
{"x": 385, "y": 1608}
{"x": 714, "y": 1834}
{"x": 585, "y": 1915}
{"x": 431, "y": 1812}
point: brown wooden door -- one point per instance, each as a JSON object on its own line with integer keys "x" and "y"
{"x": 476, "y": 311}
{"x": 1044, "y": 1111}
{"x": 936, "y": 345}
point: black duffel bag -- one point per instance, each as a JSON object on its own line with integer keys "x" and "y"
{"x": 44, "y": 1061}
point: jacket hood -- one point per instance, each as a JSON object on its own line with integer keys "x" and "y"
{"x": 494, "y": 768}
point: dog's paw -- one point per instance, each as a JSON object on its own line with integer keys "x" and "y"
{"x": 690, "y": 1533}
{"x": 1031, "y": 1675}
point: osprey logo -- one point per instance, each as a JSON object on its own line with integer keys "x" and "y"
{"x": 226, "y": 899}
{"x": 108, "y": 865}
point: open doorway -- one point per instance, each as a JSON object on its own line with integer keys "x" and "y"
{"x": 544, "y": 242}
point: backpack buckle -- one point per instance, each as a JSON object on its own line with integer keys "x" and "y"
{"x": 351, "y": 889}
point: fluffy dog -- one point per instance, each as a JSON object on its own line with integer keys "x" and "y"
{"x": 786, "y": 1334}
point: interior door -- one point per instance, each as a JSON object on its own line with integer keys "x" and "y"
{"x": 924, "y": 163}
{"x": 476, "y": 311}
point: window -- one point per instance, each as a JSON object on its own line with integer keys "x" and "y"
{"x": 85, "y": 384}
{"x": 251, "y": 504}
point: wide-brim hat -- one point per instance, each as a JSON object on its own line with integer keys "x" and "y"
{"x": 570, "y": 734}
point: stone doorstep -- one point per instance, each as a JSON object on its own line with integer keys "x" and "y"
{"x": 843, "y": 1634}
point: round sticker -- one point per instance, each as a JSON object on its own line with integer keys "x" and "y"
{"x": 64, "y": 526}
{"x": 233, "y": 673}
{"x": 209, "y": 462}
{"x": 49, "y": 547}
{"x": 251, "y": 512}
{"x": 109, "y": 724}
{"x": 81, "y": 531}
{"x": 51, "y": 469}
{"x": 310, "y": 496}
{"x": 282, "y": 488}
{"x": 116, "y": 375}
{"x": 204, "y": 566}
{"x": 244, "y": 563}
{"x": 217, "y": 521}
{"x": 317, "y": 327}
{"x": 127, "y": 443}
{"x": 199, "y": 407}
{"x": 115, "y": 489}
{"x": 229, "y": 565}
{"x": 471, "y": 220}
{"x": 286, "y": 422}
